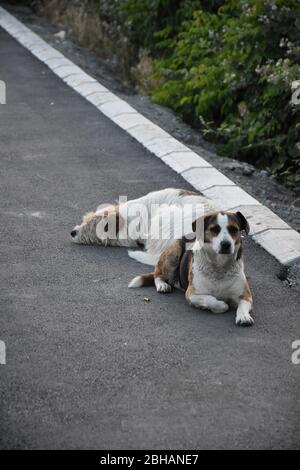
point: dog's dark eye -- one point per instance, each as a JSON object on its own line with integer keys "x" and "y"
{"x": 233, "y": 230}
{"x": 215, "y": 229}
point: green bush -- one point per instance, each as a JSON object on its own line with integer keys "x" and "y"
{"x": 153, "y": 23}
{"x": 227, "y": 67}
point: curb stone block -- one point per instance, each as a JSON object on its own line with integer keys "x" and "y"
{"x": 147, "y": 133}
{"x": 130, "y": 120}
{"x": 36, "y": 44}
{"x": 54, "y": 62}
{"x": 86, "y": 89}
{"x": 44, "y": 55}
{"x": 77, "y": 79}
{"x": 59, "y": 63}
{"x": 100, "y": 98}
{"x": 205, "y": 178}
{"x": 116, "y": 107}
{"x": 229, "y": 197}
{"x": 29, "y": 38}
{"x": 162, "y": 147}
{"x": 261, "y": 218}
{"x": 66, "y": 70}
{"x": 183, "y": 161}
{"x": 284, "y": 245}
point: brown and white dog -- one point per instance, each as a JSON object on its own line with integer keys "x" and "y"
{"x": 212, "y": 272}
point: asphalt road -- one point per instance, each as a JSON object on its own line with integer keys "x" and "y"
{"x": 90, "y": 364}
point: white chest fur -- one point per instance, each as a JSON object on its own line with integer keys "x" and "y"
{"x": 222, "y": 278}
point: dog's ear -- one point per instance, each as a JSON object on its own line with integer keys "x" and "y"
{"x": 243, "y": 223}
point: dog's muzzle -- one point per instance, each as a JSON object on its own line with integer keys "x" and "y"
{"x": 225, "y": 248}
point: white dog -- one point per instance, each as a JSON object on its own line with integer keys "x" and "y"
{"x": 153, "y": 221}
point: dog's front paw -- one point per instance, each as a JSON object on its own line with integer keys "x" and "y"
{"x": 220, "y": 307}
{"x": 162, "y": 286}
{"x": 244, "y": 319}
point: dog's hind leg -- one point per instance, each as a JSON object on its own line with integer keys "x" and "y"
{"x": 167, "y": 268}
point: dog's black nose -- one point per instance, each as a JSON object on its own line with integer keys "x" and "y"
{"x": 73, "y": 233}
{"x": 225, "y": 247}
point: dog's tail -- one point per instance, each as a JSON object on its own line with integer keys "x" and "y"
{"x": 143, "y": 257}
{"x": 143, "y": 280}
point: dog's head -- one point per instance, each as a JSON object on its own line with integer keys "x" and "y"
{"x": 222, "y": 232}
{"x": 100, "y": 227}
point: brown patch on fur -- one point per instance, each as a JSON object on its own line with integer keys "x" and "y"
{"x": 184, "y": 272}
{"x": 186, "y": 192}
{"x": 235, "y": 232}
{"x": 209, "y": 219}
{"x": 167, "y": 267}
{"x": 106, "y": 222}
{"x": 233, "y": 222}
{"x": 246, "y": 295}
{"x": 88, "y": 217}
{"x": 106, "y": 211}
{"x": 190, "y": 290}
{"x": 148, "y": 279}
